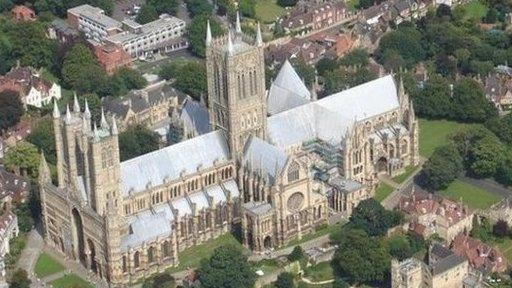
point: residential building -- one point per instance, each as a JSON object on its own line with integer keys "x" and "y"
{"x": 270, "y": 177}
{"x": 498, "y": 87}
{"x": 481, "y": 256}
{"x": 432, "y": 215}
{"x": 444, "y": 269}
{"x": 23, "y": 13}
{"x": 29, "y": 83}
{"x": 13, "y": 187}
{"x": 111, "y": 57}
{"x": 309, "y": 16}
{"x": 150, "y": 106}
{"x": 162, "y": 35}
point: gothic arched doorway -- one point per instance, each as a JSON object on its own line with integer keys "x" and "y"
{"x": 94, "y": 266}
{"x": 382, "y": 165}
{"x": 267, "y": 243}
{"x": 78, "y": 236}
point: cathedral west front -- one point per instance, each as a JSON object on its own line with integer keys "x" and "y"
{"x": 271, "y": 162}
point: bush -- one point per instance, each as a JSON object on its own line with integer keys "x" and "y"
{"x": 297, "y": 254}
{"x": 160, "y": 280}
{"x": 500, "y": 229}
{"x": 285, "y": 280}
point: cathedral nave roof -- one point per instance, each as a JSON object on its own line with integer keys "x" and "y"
{"x": 167, "y": 164}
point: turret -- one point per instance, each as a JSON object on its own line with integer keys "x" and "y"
{"x": 208, "y": 40}
{"x": 259, "y": 39}
{"x": 238, "y": 26}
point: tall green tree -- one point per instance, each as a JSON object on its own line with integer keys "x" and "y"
{"x": 165, "y": 6}
{"x": 285, "y": 280}
{"x": 42, "y": 136}
{"x": 370, "y": 216}
{"x": 197, "y": 33}
{"x": 23, "y": 159}
{"x": 136, "y": 141}
{"x": 147, "y": 14}
{"x": 20, "y": 279}
{"x": 11, "y": 109}
{"x": 470, "y": 103}
{"x": 228, "y": 268}
{"x": 442, "y": 168}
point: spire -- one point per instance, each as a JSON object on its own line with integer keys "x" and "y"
{"x": 76, "y": 106}
{"x": 56, "y": 112}
{"x": 96, "y": 134}
{"x": 85, "y": 123}
{"x": 44, "y": 170}
{"x": 401, "y": 90}
{"x": 114, "y": 126}
{"x": 230, "y": 43}
{"x": 103, "y": 123}
{"x": 68, "y": 114}
{"x": 259, "y": 40}
{"x": 208, "y": 33}
{"x": 238, "y": 26}
{"x": 87, "y": 112}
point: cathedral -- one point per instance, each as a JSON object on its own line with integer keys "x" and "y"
{"x": 272, "y": 164}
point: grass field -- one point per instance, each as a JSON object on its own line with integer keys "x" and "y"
{"x": 320, "y": 272}
{"x": 435, "y": 133}
{"x": 46, "y": 265}
{"x": 383, "y": 191}
{"x": 475, "y": 10}
{"x": 268, "y": 10}
{"x": 327, "y": 229}
{"x": 191, "y": 257}
{"x": 474, "y": 197}
{"x": 71, "y": 281}
{"x": 402, "y": 177}
{"x": 352, "y": 4}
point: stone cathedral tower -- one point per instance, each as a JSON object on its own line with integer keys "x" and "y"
{"x": 236, "y": 86}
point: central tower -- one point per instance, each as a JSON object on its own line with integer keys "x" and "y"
{"x": 236, "y": 86}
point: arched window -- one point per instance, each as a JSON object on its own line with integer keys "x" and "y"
{"x": 166, "y": 249}
{"x": 125, "y": 268}
{"x": 293, "y": 172}
{"x": 136, "y": 259}
{"x": 151, "y": 254}
{"x": 404, "y": 147}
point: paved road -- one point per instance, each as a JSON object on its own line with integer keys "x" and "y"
{"x": 30, "y": 254}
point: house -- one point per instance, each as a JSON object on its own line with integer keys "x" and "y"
{"x": 480, "y": 256}
{"x": 310, "y": 16}
{"x": 297, "y": 48}
{"x": 443, "y": 269}
{"x": 149, "y": 106}
{"x": 498, "y": 87}
{"x": 17, "y": 133}
{"x": 13, "y": 187}
{"x": 111, "y": 57}
{"x": 64, "y": 33}
{"x": 33, "y": 89}
{"x": 433, "y": 215}
{"x": 23, "y": 13}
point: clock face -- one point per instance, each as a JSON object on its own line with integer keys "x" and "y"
{"x": 295, "y": 201}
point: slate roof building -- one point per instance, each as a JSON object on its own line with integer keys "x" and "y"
{"x": 275, "y": 177}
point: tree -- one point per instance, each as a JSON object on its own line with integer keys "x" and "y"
{"x": 357, "y": 57}
{"x": 297, "y": 254}
{"x": 199, "y": 7}
{"x": 491, "y": 16}
{"x": 23, "y": 159}
{"x": 126, "y": 79}
{"x": 485, "y": 157}
{"x": 248, "y": 8}
{"x": 165, "y": 6}
{"x": 444, "y": 11}
{"x": 228, "y": 268}
{"x": 442, "y": 168}
{"x": 189, "y": 75}
{"x": 20, "y": 279}
{"x": 42, "y": 136}
{"x": 434, "y": 101}
{"x": 340, "y": 283}
{"x": 360, "y": 258}
{"x": 286, "y": 3}
{"x": 147, "y": 14}
{"x": 406, "y": 42}
{"x": 81, "y": 72}
{"x": 136, "y": 141}
{"x": 325, "y": 65}
{"x": 400, "y": 248}
{"x": 305, "y": 71}
{"x": 11, "y": 109}
{"x": 6, "y": 5}
{"x": 343, "y": 78}
{"x": 160, "y": 280}
{"x": 197, "y": 33}
{"x": 500, "y": 229}
{"x": 370, "y": 216}
{"x": 470, "y": 103}
{"x": 285, "y": 280}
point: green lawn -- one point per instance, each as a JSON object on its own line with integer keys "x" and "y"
{"x": 327, "y": 229}
{"x": 475, "y": 10}
{"x": 435, "y": 133}
{"x": 382, "y": 191}
{"x": 46, "y": 265}
{"x": 402, "y": 177}
{"x": 191, "y": 257}
{"x": 268, "y": 10}
{"x": 352, "y": 5}
{"x": 474, "y": 197}
{"x": 320, "y": 272}
{"x": 506, "y": 247}
{"x": 71, "y": 281}
{"x": 267, "y": 265}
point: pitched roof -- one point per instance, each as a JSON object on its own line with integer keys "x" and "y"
{"x": 195, "y": 116}
{"x": 328, "y": 119}
{"x": 167, "y": 164}
{"x": 262, "y": 156}
{"x": 287, "y": 91}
